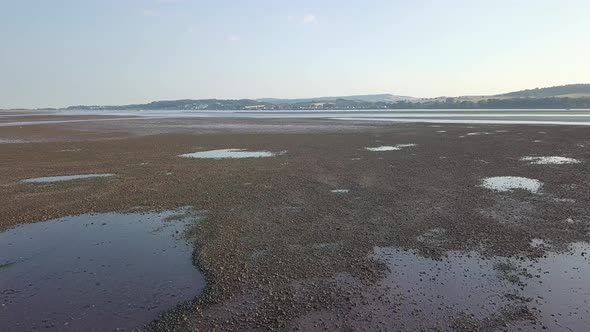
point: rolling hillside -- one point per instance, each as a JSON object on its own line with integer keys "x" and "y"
{"x": 570, "y": 90}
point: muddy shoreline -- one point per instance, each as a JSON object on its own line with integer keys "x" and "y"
{"x": 281, "y": 250}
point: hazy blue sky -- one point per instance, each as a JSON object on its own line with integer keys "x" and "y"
{"x": 65, "y": 52}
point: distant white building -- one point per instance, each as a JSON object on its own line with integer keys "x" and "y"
{"x": 255, "y": 107}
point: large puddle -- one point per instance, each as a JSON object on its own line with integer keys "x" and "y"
{"x": 551, "y": 293}
{"x": 61, "y": 178}
{"x": 98, "y": 272}
{"x": 11, "y": 141}
{"x": 228, "y": 154}
{"x": 510, "y": 183}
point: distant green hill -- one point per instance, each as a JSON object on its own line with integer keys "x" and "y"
{"x": 573, "y": 96}
{"x": 182, "y": 104}
{"x": 570, "y": 90}
{"x": 385, "y": 98}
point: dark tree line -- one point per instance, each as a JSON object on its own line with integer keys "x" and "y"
{"x": 523, "y": 103}
{"x": 448, "y": 103}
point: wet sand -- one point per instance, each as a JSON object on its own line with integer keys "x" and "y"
{"x": 280, "y": 250}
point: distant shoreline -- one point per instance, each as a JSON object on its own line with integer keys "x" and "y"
{"x": 114, "y": 108}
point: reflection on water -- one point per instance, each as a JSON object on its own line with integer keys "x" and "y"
{"x": 96, "y": 272}
{"x": 554, "y": 289}
{"x": 521, "y": 116}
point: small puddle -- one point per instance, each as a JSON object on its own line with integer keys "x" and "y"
{"x": 478, "y": 133}
{"x": 554, "y": 289}
{"x": 340, "y": 191}
{"x": 389, "y": 148}
{"x": 564, "y": 200}
{"x": 99, "y": 272}
{"x": 540, "y": 243}
{"x": 12, "y": 141}
{"x": 550, "y": 160}
{"x": 229, "y": 154}
{"x": 510, "y": 183}
{"x": 49, "y": 179}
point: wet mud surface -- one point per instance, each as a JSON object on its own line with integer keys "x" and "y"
{"x": 417, "y": 242}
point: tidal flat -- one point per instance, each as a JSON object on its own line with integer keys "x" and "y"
{"x": 416, "y": 241}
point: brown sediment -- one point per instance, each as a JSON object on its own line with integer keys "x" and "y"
{"x": 280, "y": 250}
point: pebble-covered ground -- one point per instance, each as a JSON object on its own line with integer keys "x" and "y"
{"x": 329, "y": 235}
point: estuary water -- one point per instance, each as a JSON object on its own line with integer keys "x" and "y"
{"x": 482, "y": 116}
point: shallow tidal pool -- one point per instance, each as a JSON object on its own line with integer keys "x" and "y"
{"x": 510, "y": 183}
{"x": 99, "y": 272}
{"x": 62, "y": 178}
{"x": 384, "y": 148}
{"x": 554, "y": 289}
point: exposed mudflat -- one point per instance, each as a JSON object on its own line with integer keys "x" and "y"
{"x": 417, "y": 242}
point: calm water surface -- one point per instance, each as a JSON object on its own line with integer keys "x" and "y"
{"x": 96, "y": 272}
